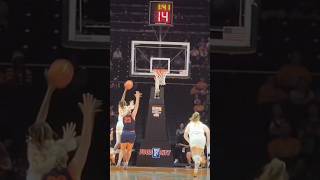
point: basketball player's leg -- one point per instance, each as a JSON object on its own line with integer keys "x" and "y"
{"x": 124, "y": 151}
{"x": 112, "y": 156}
{"x": 118, "y": 142}
{"x": 131, "y": 136}
{"x": 196, "y": 156}
{"x": 129, "y": 151}
{"x": 112, "y": 159}
{"x": 203, "y": 162}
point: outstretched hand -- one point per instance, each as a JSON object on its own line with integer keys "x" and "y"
{"x": 90, "y": 105}
{"x": 138, "y": 94}
{"x": 69, "y": 131}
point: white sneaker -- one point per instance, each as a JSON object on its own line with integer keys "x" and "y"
{"x": 125, "y": 166}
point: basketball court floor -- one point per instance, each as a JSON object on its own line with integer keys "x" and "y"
{"x": 157, "y": 173}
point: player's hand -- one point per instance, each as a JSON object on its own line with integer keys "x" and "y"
{"x": 90, "y": 105}
{"x": 69, "y": 131}
{"x": 138, "y": 94}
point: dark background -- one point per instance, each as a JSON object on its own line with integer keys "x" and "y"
{"x": 241, "y": 126}
{"x": 35, "y": 29}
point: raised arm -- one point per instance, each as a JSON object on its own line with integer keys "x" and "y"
{"x": 44, "y": 108}
{"x": 122, "y": 100}
{"x": 88, "y": 108}
{"x": 186, "y": 134}
{"x": 136, "y": 105}
{"x": 123, "y": 95}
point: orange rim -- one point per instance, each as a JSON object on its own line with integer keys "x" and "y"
{"x": 160, "y": 72}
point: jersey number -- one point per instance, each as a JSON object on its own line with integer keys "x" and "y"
{"x": 127, "y": 120}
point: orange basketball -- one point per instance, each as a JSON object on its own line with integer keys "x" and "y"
{"x": 60, "y": 73}
{"x": 128, "y": 85}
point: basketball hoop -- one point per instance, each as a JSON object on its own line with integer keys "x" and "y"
{"x": 160, "y": 76}
{"x": 160, "y": 80}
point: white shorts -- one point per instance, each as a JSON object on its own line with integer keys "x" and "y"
{"x": 119, "y": 127}
{"x": 197, "y": 141}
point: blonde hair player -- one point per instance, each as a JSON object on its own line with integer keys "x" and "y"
{"x": 197, "y": 135}
{"x": 45, "y": 153}
{"x": 128, "y": 135}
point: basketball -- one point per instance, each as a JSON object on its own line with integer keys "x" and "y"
{"x": 128, "y": 85}
{"x": 60, "y": 73}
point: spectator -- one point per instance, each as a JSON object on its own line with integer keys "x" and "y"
{"x": 202, "y": 85}
{"x": 301, "y": 93}
{"x": 195, "y": 54}
{"x": 269, "y": 92}
{"x": 180, "y": 130}
{"x": 288, "y": 74}
{"x": 112, "y": 113}
{"x": 203, "y": 51}
{"x": 23, "y": 75}
{"x": 181, "y": 145}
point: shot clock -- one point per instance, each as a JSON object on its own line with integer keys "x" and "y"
{"x": 161, "y": 13}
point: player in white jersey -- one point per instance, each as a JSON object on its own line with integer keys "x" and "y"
{"x": 122, "y": 110}
{"x": 197, "y": 135}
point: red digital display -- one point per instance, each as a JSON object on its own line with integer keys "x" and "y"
{"x": 161, "y": 13}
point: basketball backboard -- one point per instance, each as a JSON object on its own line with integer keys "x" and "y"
{"x": 149, "y": 55}
{"x": 233, "y": 26}
{"x": 86, "y": 24}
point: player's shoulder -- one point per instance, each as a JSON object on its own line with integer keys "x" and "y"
{"x": 204, "y": 125}
{"x": 187, "y": 126}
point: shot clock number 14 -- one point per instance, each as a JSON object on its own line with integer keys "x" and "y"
{"x": 161, "y": 13}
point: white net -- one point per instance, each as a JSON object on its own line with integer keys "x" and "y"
{"x": 160, "y": 76}
{"x": 160, "y": 80}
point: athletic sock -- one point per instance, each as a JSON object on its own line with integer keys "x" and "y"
{"x": 197, "y": 160}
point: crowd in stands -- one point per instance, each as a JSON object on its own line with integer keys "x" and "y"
{"x": 17, "y": 74}
{"x": 200, "y": 93}
{"x": 294, "y": 122}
